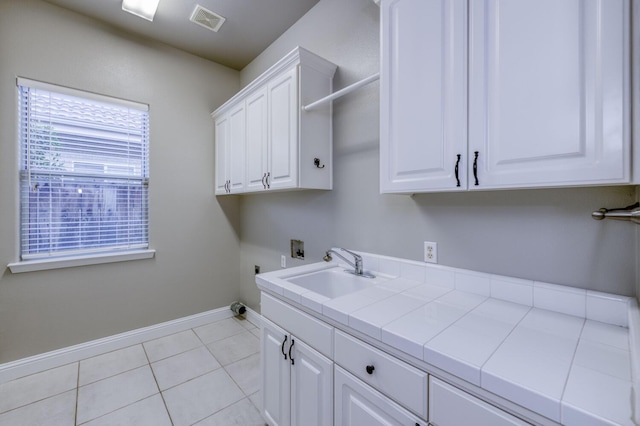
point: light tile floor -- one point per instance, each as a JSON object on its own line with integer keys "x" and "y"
{"x": 208, "y": 375}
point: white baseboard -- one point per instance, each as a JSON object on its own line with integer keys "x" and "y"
{"x": 37, "y": 363}
{"x": 254, "y": 317}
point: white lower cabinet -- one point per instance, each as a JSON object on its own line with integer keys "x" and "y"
{"x": 394, "y": 378}
{"x": 297, "y": 380}
{"x": 358, "y": 404}
{"x": 333, "y": 378}
{"x": 449, "y": 406}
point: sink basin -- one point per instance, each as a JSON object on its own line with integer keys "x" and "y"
{"x": 332, "y": 283}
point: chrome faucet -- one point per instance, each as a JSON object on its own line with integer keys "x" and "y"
{"x": 357, "y": 263}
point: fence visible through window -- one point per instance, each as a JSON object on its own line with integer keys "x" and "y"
{"x": 84, "y": 172}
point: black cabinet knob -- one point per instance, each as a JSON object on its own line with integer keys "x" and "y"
{"x": 370, "y": 369}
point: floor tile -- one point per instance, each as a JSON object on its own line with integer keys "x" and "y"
{"x": 256, "y": 399}
{"x": 35, "y": 387}
{"x": 235, "y": 348}
{"x": 246, "y": 373}
{"x": 199, "y": 398}
{"x": 148, "y": 412}
{"x": 173, "y": 344}
{"x": 57, "y": 410}
{"x": 102, "y": 397}
{"x": 242, "y": 413}
{"x": 219, "y": 330}
{"x": 112, "y": 363}
{"x": 188, "y": 365}
{"x": 245, "y": 322}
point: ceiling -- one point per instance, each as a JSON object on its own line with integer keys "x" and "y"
{"x": 250, "y": 26}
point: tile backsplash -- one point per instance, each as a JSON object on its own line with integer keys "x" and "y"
{"x": 593, "y": 305}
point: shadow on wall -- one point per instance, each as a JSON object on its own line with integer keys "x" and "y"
{"x": 539, "y": 234}
{"x": 230, "y": 206}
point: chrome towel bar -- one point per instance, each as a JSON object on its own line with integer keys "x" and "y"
{"x": 630, "y": 213}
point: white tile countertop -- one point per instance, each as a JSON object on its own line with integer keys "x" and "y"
{"x": 564, "y": 353}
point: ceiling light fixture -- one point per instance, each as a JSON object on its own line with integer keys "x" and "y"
{"x": 143, "y": 8}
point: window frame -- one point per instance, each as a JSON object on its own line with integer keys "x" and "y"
{"x": 81, "y": 257}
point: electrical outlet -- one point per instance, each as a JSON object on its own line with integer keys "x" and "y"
{"x": 430, "y": 252}
{"x": 283, "y": 261}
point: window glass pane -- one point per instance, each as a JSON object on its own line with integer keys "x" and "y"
{"x": 84, "y": 174}
{"x": 71, "y": 214}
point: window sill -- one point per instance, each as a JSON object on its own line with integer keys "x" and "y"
{"x": 73, "y": 261}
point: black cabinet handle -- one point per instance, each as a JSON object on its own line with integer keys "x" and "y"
{"x": 457, "y": 176}
{"x": 264, "y": 176}
{"x": 475, "y": 168}
{"x": 268, "y": 176}
{"x": 291, "y": 347}
{"x": 282, "y": 348}
{"x": 370, "y": 369}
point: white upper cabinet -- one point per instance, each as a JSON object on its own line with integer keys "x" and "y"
{"x": 283, "y": 131}
{"x": 280, "y": 142}
{"x": 548, "y": 92}
{"x": 257, "y": 147}
{"x": 423, "y": 95}
{"x": 222, "y": 157}
{"x": 230, "y": 128}
{"x": 533, "y": 93}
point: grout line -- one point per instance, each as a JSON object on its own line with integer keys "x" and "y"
{"x": 75, "y": 417}
{"x": 157, "y": 384}
{"x": 48, "y": 395}
{"x": 115, "y": 374}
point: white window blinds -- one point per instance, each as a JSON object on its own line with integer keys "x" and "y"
{"x": 84, "y": 171}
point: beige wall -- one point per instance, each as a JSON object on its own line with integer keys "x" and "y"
{"x": 196, "y": 235}
{"x": 545, "y": 235}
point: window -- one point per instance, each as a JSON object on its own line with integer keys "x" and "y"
{"x": 84, "y": 172}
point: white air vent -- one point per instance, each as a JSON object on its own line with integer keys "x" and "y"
{"x": 206, "y": 18}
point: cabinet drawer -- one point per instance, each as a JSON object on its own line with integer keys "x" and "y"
{"x": 314, "y": 332}
{"x": 357, "y": 404}
{"x": 449, "y": 406}
{"x": 398, "y": 380}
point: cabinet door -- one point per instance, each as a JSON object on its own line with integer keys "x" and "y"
{"x": 257, "y": 133}
{"x": 236, "y": 148}
{"x": 357, "y": 404}
{"x": 449, "y": 406}
{"x": 423, "y": 89}
{"x": 276, "y": 375}
{"x": 548, "y": 92}
{"x": 222, "y": 159}
{"x": 311, "y": 386}
{"x": 283, "y": 133}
